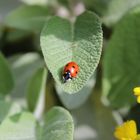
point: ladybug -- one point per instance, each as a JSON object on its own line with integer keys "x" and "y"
{"x": 71, "y": 70}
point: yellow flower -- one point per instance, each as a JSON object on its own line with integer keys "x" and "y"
{"x": 137, "y": 93}
{"x": 127, "y": 131}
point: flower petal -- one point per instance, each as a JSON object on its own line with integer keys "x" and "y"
{"x": 136, "y": 91}
{"x": 138, "y": 137}
{"x": 126, "y": 131}
{"x": 138, "y": 99}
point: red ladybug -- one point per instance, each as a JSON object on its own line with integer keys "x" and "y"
{"x": 70, "y": 71}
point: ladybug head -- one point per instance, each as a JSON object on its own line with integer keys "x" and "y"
{"x": 67, "y": 76}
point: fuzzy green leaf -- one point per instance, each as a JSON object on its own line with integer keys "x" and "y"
{"x": 58, "y": 125}
{"x": 111, "y": 11}
{"x": 6, "y": 78}
{"x": 8, "y": 109}
{"x": 72, "y": 101}
{"x": 80, "y": 42}
{"x": 28, "y": 18}
{"x": 18, "y": 127}
{"x": 121, "y": 61}
{"x": 24, "y": 67}
{"x": 35, "y": 88}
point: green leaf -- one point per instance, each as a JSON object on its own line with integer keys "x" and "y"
{"x": 121, "y": 61}
{"x": 8, "y": 109}
{"x": 6, "y": 77}
{"x": 72, "y": 101}
{"x": 28, "y": 18}
{"x": 58, "y": 125}
{"x": 111, "y": 11}
{"x": 114, "y": 14}
{"x": 36, "y": 86}
{"x": 100, "y": 6}
{"x": 18, "y": 127}
{"x": 24, "y": 67}
{"x": 81, "y": 42}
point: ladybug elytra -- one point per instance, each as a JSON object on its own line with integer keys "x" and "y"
{"x": 70, "y": 71}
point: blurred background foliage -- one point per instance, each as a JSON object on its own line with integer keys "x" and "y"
{"x": 28, "y": 93}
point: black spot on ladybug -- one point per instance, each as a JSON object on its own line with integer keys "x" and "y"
{"x": 76, "y": 72}
{"x": 73, "y": 67}
{"x": 67, "y": 65}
